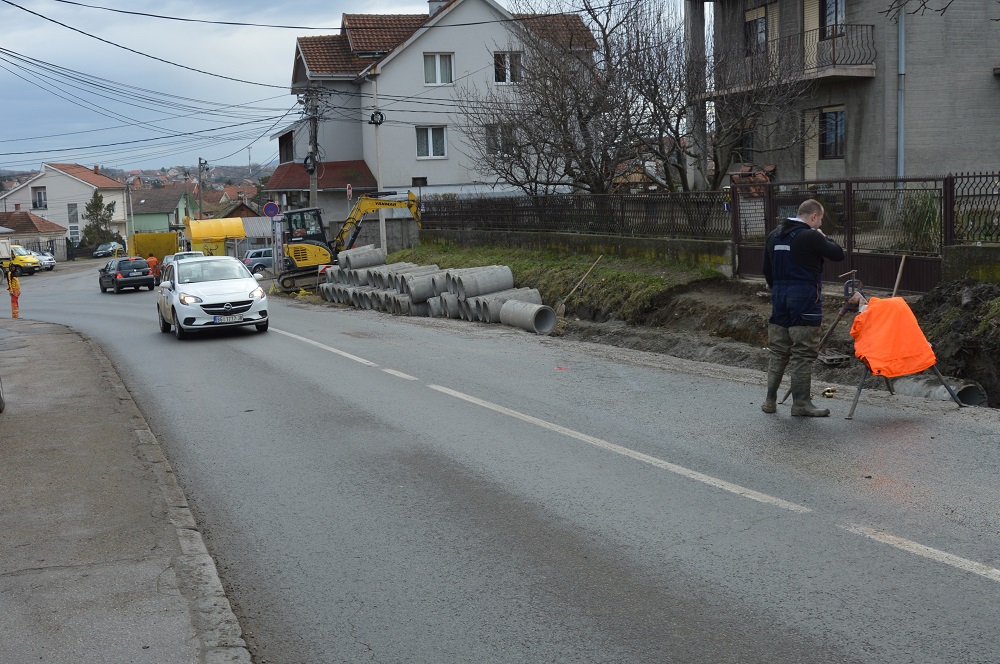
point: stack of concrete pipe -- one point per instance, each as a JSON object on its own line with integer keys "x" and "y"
{"x": 486, "y": 294}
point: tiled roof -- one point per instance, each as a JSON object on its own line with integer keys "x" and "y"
{"x": 330, "y": 55}
{"x": 380, "y": 33}
{"x": 156, "y": 200}
{"x": 22, "y": 223}
{"x": 332, "y": 175}
{"x": 368, "y": 34}
{"x": 567, "y": 30}
{"x": 88, "y": 175}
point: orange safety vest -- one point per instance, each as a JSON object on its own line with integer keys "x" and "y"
{"x": 889, "y": 340}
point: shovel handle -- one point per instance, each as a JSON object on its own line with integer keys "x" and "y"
{"x": 584, "y": 276}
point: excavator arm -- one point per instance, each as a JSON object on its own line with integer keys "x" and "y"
{"x": 368, "y": 204}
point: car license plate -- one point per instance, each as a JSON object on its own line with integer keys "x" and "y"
{"x": 135, "y": 273}
{"x": 235, "y": 318}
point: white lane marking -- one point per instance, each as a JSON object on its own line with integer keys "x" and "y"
{"x": 329, "y": 348}
{"x": 965, "y": 564}
{"x": 632, "y": 454}
{"x": 400, "y": 374}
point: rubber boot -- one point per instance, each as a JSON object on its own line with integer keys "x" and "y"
{"x": 802, "y": 404}
{"x": 779, "y": 344}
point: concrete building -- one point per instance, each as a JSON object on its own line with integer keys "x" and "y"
{"x": 913, "y": 97}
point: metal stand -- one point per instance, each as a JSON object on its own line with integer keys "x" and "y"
{"x": 866, "y": 371}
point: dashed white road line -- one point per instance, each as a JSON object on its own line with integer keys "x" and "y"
{"x": 327, "y": 348}
{"x": 400, "y": 374}
{"x": 937, "y": 555}
{"x": 632, "y": 454}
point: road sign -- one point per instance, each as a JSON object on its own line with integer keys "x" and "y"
{"x": 350, "y": 191}
{"x": 270, "y": 208}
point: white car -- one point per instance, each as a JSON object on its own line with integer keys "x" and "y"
{"x": 205, "y": 292}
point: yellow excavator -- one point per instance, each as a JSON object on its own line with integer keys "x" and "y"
{"x": 307, "y": 245}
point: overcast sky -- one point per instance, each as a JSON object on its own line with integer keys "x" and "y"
{"x": 96, "y": 99}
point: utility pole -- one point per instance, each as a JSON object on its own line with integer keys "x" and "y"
{"x": 310, "y": 163}
{"x": 377, "y": 118}
{"x": 202, "y": 167}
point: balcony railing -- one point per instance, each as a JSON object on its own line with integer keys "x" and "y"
{"x": 831, "y": 51}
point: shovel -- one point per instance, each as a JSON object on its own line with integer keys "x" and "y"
{"x": 561, "y": 303}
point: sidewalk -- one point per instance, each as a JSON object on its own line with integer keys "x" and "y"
{"x": 100, "y": 558}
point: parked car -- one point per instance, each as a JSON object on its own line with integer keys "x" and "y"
{"x": 47, "y": 260}
{"x": 21, "y": 261}
{"x": 258, "y": 260}
{"x": 205, "y": 292}
{"x": 107, "y": 249}
{"x": 170, "y": 258}
{"x": 125, "y": 272}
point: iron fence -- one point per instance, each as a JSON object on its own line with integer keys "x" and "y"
{"x": 695, "y": 215}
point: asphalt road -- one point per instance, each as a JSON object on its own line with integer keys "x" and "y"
{"x": 387, "y": 489}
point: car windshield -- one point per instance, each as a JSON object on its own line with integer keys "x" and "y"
{"x": 20, "y": 251}
{"x": 193, "y": 272}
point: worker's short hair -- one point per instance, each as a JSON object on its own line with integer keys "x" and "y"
{"x": 809, "y": 207}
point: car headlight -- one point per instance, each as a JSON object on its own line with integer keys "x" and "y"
{"x": 257, "y": 293}
{"x": 188, "y": 299}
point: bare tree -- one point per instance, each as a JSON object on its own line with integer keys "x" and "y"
{"x": 705, "y": 108}
{"x": 566, "y": 120}
{"x": 918, "y": 7}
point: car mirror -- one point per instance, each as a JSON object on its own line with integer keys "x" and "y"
{"x": 258, "y": 276}
{"x": 166, "y": 284}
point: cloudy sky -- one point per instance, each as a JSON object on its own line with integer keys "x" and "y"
{"x": 79, "y": 85}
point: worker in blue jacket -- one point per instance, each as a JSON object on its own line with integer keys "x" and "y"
{"x": 793, "y": 268}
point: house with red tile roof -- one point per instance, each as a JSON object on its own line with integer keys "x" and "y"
{"x": 33, "y": 232}
{"x": 388, "y": 88}
{"x": 60, "y": 194}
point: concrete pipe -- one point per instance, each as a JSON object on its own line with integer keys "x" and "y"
{"x": 332, "y": 275}
{"x": 398, "y": 279}
{"x": 402, "y": 305}
{"x": 478, "y": 283}
{"x": 366, "y": 256}
{"x": 380, "y": 273}
{"x": 419, "y": 309}
{"x": 449, "y": 302}
{"x": 969, "y": 392}
{"x": 434, "y": 307}
{"x": 537, "y": 318}
{"x": 420, "y": 286}
{"x": 494, "y": 301}
{"x": 451, "y": 285}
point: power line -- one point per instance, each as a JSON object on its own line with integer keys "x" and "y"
{"x": 145, "y": 55}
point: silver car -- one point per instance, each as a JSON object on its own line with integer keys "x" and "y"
{"x": 47, "y": 260}
{"x": 204, "y": 292}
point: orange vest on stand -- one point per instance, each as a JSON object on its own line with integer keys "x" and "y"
{"x": 889, "y": 340}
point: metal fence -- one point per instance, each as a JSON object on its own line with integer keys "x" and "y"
{"x": 696, "y": 215}
{"x": 877, "y": 221}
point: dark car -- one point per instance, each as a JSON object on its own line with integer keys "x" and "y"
{"x": 107, "y": 249}
{"x": 127, "y": 272}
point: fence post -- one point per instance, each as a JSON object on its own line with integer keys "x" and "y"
{"x": 849, "y": 225}
{"x": 734, "y": 209}
{"x": 948, "y": 210}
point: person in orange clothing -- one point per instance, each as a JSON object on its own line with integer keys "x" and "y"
{"x": 154, "y": 267}
{"x": 14, "y": 288}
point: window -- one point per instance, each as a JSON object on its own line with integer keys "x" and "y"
{"x": 832, "y": 17}
{"x": 39, "y": 200}
{"x": 743, "y": 150}
{"x": 430, "y": 142}
{"x": 437, "y": 69}
{"x": 755, "y": 32}
{"x": 286, "y": 148}
{"x": 507, "y": 67}
{"x": 831, "y": 133}
{"x": 500, "y": 139}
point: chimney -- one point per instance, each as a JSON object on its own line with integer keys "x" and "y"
{"x": 434, "y": 6}
{"x": 97, "y": 169}
{"x": 17, "y": 206}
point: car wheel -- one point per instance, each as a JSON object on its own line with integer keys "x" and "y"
{"x": 103, "y": 289}
{"x": 16, "y": 270}
{"x": 178, "y": 330}
{"x": 261, "y": 327}
{"x": 118, "y": 289}
{"x": 49, "y": 269}
{"x": 258, "y": 269}
{"x": 164, "y": 325}
{"x": 150, "y": 287}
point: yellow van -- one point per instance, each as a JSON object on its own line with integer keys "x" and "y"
{"x": 21, "y": 261}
